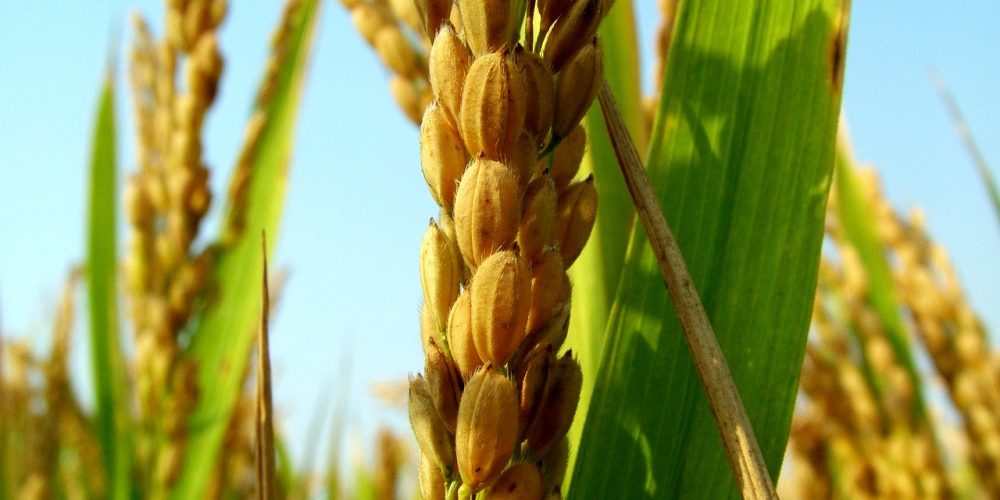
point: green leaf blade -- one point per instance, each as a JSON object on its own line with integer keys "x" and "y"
{"x": 596, "y": 272}
{"x": 853, "y": 212}
{"x": 110, "y": 378}
{"x": 223, "y": 338}
{"x": 741, "y": 157}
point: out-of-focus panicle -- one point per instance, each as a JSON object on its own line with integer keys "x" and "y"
{"x": 165, "y": 201}
{"x": 955, "y": 339}
{"x": 668, "y": 10}
{"x": 854, "y": 435}
{"x": 390, "y": 456}
{"x": 25, "y": 424}
{"x": 80, "y": 465}
{"x": 236, "y": 475}
{"x": 49, "y": 444}
{"x": 260, "y": 118}
{"x": 849, "y": 426}
{"x": 395, "y": 30}
{"x": 664, "y": 33}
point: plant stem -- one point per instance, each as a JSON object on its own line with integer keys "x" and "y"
{"x": 265, "y": 430}
{"x": 730, "y": 417}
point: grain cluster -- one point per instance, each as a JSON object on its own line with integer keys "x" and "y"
{"x": 47, "y": 446}
{"x": 165, "y": 202}
{"x": 174, "y": 83}
{"x": 499, "y": 104}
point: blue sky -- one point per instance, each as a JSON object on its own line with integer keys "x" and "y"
{"x": 357, "y": 204}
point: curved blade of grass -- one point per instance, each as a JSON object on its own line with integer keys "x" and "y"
{"x": 332, "y": 481}
{"x": 110, "y": 379}
{"x": 302, "y": 475}
{"x": 853, "y": 213}
{"x": 596, "y": 271}
{"x": 221, "y": 343}
{"x": 741, "y": 157}
{"x": 962, "y": 127}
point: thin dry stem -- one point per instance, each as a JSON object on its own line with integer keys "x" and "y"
{"x": 730, "y": 417}
{"x": 265, "y": 429}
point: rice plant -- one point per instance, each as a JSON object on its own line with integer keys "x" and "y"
{"x": 164, "y": 415}
{"x": 679, "y": 295}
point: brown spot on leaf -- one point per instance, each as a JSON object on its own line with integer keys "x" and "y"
{"x": 837, "y": 48}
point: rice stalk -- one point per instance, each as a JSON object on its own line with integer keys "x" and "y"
{"x": 664, "y": 33}
{"x": 496, "y": 400}
{"x": 165, "y": 200}
{"x": 174, "y": 82}
{"x": 390, "y": 457}
{"x": 221, "y": 342}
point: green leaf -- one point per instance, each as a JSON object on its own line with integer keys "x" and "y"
{"x": 853, "y": 212}
{"x": 965, "y": 133}
{"x": 110, "y": 378}
{"x": 741, "y": 157}
{"x": 221, "y": 343}
{"x": 596, "y": 272}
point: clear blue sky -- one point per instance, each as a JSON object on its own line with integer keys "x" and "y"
{"x": 357, "y": 204}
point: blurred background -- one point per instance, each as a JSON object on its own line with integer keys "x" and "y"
{"x": 347, "y": 324}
